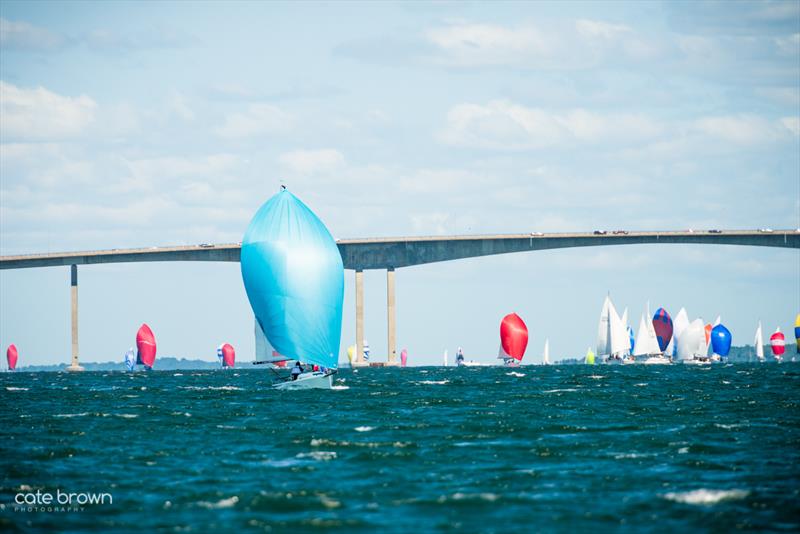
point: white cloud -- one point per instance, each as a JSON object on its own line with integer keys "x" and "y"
{"x": 260, "y": 119}
{"x": 600, "y": 29}
{"x": 312, "y": 161}
{"x": 503, "y": 125}
{"x": 792, "y": 124}
{"x": 22, "y": 35}
{"x": 486, "y": 44}
{"x": 39, "y": 114}
{"x": 179, "y": 106}
{"x": 745, "y": 129}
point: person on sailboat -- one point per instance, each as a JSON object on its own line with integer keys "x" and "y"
{"x": 297, "y": 370}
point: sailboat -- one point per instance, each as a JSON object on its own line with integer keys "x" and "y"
{"x": 228, "y": 356}
{"x": 721, "y": 339}
{"x": 403, "y": 357}
{"x": 797, "y": 332}
{"x": 604, "y": 331}
{"x": 11, "y": 357}
{"x": 145, "y": 347}
{"x": 691, "y": 345}
{"x": 663, "y": 327}
{"x": 778, "y": 343}
{"x": 546, "y": 355}
{"x": 444, "y": 357}
{"x": 589, "y": 359}
{"x": 265, "y": 352}
{"x": 759, "y": 343}
{"x": 645, "y": 348}
{"x": 294, "y": 278}
{"x": 130, "y": 359}
{"x": 513, "y": 339}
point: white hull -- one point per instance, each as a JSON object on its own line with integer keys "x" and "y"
{"x": 695, "y": 362}
{"x": 656, "y": 360}
{"x": 313, "y": 380}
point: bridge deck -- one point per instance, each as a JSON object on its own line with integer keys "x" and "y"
{"x": 395, "y": 252}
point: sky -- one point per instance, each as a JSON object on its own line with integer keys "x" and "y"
{"x": 151, "y": 124}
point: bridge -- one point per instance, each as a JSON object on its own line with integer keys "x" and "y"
{"x": 393, "y": 253}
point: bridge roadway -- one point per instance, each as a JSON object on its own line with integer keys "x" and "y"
{"x": 394, "y": 253}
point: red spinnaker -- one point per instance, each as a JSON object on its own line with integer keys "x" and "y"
{"x": 11, "y": 356}
{"x": 228, "y": 355}
{"x": 778, "y": 342}
{"x": 146, "y": 345}
{"x": 403, "y": 357}
{"x": 513, "y": 336}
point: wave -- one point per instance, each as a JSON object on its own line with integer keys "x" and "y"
{"x": 12, "y": 388}
{"x": 706, "y": 497}
{"x": 223, "y": 503}
{"x": 432, "y": 382}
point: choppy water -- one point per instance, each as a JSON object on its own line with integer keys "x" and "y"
{"x": 634, "y": 448}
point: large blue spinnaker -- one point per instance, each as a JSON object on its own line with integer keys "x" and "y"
{"x": 294, "y": 278}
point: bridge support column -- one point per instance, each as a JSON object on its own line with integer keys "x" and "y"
{"x": 390, "y": 317}
{"x": 74, "y": 366}
{"x": 359, "y": 359}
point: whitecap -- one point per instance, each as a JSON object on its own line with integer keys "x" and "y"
{"x": 223, "y": 503}
{"x": 320, "y": 456}
{"x": 729, "y": 427}
{"x": 567, "y": 390}
{"x": 82, "y": 414}
{"x": 340, "y": 387}
{"x": 596, "y": 377}
{"x": 641, "y": 385}
{"x": 683, "y": 450}
{"x": 11, "y": 388}
{"x": 489, "y": 497}
{"x": 430, "y": 382}
{"x": 706, "y": 497}
{"x": 177, "y": 374}
{"x": 514, "y": 373}
{"x": 127, "y": 415}
{"x": 364, "y": 428}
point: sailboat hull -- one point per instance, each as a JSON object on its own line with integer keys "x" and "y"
{"x": 657, "y": 360}
{"x": 315, "y": 380}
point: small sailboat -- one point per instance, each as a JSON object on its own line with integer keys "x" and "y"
{"x": 759, "y": 343}
{"x": 12, "y": 356}
{"x": 513, "y": 339}
{"x": 603, "y": 345}
{"x": 351, "y": 354}
{"x": 619, "y": 339}
{"x": 294, "y": 279}
{"x": 146, "y": 347}
{"x": 646, "y": 349}
{"x": 130, "y": 359}
{"x": 546, "y": 354}
{"x": 366, "y": 350}
{"x": 459, "y": 356}
{"x": 228, "y": 356}
{"x": 403, "y": 357}
{"x": 691, "y": 345}
{"x": 219, "y": 353}
{"x": 662, "y": 325}
{"x": 778, "y": 343}
{"x": 589, "y": 359}
{"x": 444, "y": 358}
{"x": 797, "y": 332}
{"x": 721, "y": 340}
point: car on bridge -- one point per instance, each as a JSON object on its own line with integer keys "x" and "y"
{"x": 620, "y": 232}
{"x": 715, "y": 231}
{"x": 600, "y": 232}
{"x": 537, "y": 234}
{"x": 766, "y": 230}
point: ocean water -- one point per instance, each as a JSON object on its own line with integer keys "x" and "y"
{"x": 561, "y": 448}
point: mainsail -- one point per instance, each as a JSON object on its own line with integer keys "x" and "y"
{"x": 294, "y": 278}
{"x": 759, "y": 343}
{"x": 646, "y": 340}
{"x": 604, "y": 329}
{"x": 546, "y": 356}
{"x": 620, "y": 340}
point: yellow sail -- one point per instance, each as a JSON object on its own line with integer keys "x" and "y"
{"x": 351, "y": 351}
{"x": 797, "y": 332}
{"x": 589, "y": 357}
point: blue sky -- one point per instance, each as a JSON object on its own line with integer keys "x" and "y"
{"x": 142, "y": 124}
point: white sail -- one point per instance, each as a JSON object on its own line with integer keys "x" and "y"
{"x": 759, "y": 343}
{"x": 604, "y": 330}
{"x": 263, "y": 347}
{"x": 625, "y": 318}
{"x": 718, "y": 321}
{"x": 445, "y": 357}
{"x": 680, "y": 323}
{"x": 546, "y": 357}
{"x": 620, "y": 340}
{"x": 692, "y": 342}
{"x": 646, "y": 340}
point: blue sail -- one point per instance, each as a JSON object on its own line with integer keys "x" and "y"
{"x": 721, "y": 340}
{"x": 294, "y": 279}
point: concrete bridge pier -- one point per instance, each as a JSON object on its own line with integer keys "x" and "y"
{"x": 390, "y": 318}
{"x": 74, "y": 366}
{"x": 359, "y": 356}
